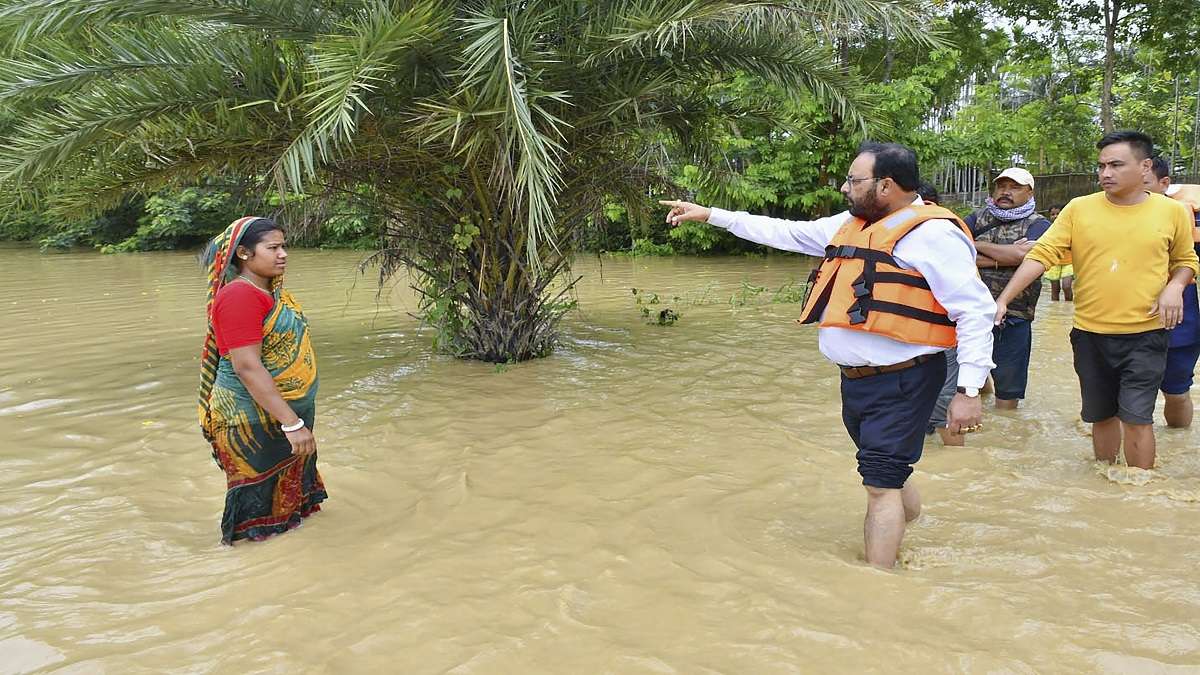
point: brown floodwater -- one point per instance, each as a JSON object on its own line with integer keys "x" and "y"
{"x": 649, "y": 499}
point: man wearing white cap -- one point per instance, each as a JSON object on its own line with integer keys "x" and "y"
{"x": 1005, "y": 229}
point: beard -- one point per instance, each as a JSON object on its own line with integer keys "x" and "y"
{"x": 867, "y": 208}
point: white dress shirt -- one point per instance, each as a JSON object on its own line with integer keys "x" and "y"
{"x": 937, "y": 249}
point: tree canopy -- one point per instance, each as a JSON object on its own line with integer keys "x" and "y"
{"x": 480, "y": 144}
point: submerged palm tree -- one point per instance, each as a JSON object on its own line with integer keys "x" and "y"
{"x": 481, "y": 134}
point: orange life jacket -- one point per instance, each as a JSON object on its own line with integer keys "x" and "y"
{"x": 862, "y": 287}
{"x": 1190, "y": 195}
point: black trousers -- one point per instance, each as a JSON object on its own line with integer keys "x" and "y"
{"x": 886, "y": 416}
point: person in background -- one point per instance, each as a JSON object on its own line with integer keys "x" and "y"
{"x": 928, "y": 194}
{"x": 1183, "y": 341}
{"x": 1135, "y": 256}
{"x": 1005, "y": 230}
{"x": 897, "y": 286}
{"x": 1061, "y": 277}
{"x": 937, "y": 421}
{"x": 258, "y": 385}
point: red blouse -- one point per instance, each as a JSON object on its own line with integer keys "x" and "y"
{"x": 237, "y": 315}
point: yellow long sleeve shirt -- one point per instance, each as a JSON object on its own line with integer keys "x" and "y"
{"x": 1123, "y": 256}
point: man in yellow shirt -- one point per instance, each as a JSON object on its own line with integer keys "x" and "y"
{"x": 1134, "y": 254}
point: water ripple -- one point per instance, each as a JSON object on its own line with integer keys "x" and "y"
{"x": 647, "y": 499}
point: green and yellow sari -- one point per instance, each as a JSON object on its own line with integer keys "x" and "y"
{"x": 270, "y": 490}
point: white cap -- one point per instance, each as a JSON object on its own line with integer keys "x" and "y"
{"x": 1017, "y": 175}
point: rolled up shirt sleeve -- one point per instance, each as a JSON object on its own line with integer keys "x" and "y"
{"x": 1055, "y": 244}
{"x": 945, "y": 257}
{"x": 801, "y": 236}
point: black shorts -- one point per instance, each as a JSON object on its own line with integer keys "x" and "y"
{"x": 1119, "y": 375}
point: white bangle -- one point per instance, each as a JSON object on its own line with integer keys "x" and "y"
{"x": 295, "y": 427}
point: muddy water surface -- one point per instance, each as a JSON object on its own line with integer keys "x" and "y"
{"x": 648, "y": 500}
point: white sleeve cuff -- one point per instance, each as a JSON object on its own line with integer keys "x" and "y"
{"x": 970, "y": 375}
{"x": 721, "y": 218}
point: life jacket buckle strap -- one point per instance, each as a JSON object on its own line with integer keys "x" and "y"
{"x": 843, "y": 251}
{"x": 857, "y": 315}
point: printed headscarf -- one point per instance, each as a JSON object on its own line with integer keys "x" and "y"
{"x": 217, "y": 260}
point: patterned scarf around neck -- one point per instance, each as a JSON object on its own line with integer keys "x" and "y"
{"x": 1022, "y": 211}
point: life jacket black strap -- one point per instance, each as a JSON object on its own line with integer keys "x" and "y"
{"x": 858, "y": 313}
{"x": 905, "y": 279}
{"x": 910, "y": 312}
{"x": 870, "y": 255}
{"x": 865, "y": 301}
{"x": 863, "y": 286}
{"x": 821, "y": 301}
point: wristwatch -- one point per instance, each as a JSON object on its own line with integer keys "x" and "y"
{"x": 969, "y": 392}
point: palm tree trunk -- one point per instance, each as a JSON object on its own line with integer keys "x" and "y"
{"x": 480, "y": 294}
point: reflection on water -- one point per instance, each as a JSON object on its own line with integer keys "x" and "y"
{"x": 649, "y": 499}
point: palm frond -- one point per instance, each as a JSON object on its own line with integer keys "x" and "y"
{"x": 26, "y": 20}
{"x": 102, "y": 116}
{"x": 645, "y": 27}
{"x": 905, "y": 21}
{"x": 795, "y": 68}
{"x": 345, "y": 69}
{"x": 494, "y": 70}
{"x": 655, "y": 26}
{"x": 59, "y": 66}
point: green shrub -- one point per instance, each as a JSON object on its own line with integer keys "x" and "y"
{"x": 349, "y": 231}
{"x": 693, "y": 238}
{"x": 645, "y": 247}
{"x": 23, "y": 226}
{"x": 178, "y": 219}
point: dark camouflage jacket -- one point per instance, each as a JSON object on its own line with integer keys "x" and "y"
{"x": 987, "y": 227}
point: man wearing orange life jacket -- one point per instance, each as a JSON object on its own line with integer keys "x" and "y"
{"x": 1183, "y": 341}
{"x": 897, "y": 287}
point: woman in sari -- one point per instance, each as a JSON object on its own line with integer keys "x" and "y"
{"x": 258, "y": 385}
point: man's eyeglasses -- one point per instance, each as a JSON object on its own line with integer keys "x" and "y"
{"x": 850, "y": 180}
